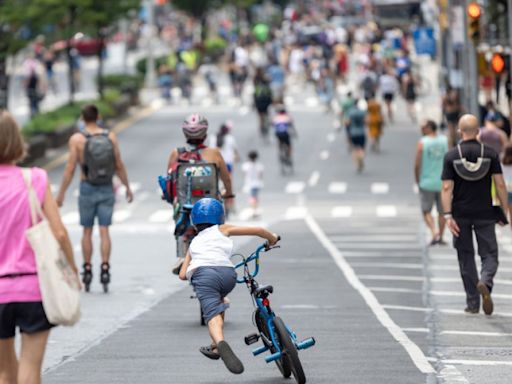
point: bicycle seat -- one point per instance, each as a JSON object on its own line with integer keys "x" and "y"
{"x": 264, "y": 291}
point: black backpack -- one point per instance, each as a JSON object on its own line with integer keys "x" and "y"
{"x": 99, "y": 161}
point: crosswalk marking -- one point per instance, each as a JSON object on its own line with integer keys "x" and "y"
{"x": 331, "y": 137}
{"x": 295, "y": 187}
{"x": 161, "y": 216}
{"x": 337, "y": 187}
{"x": 70, "y": 218}
{"x": 324, "y": 155}
{"x": 341, "y": 211}
{"x": 380, "y": 188}
{"x": 121, "y": 215}
{"x": 246, "y": 214}
{"x": 293, "y": 213}
{"x": 313, "y": 179}
{"x": 386, "y": 211}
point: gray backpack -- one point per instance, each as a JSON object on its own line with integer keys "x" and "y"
{"x": 99, "y": 161}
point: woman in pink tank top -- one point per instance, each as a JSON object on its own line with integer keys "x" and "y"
{"x": 20, "y": 297}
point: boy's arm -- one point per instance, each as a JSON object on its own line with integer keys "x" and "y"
{"x": 232, "y": 230}
{"x": 184, "y": 266}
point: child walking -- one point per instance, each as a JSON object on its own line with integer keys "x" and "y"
{"x": 209, "y": 268}
{"x": 253, "y": 170}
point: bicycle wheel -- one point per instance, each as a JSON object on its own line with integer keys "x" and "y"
{"x": 290, "y": 351}
{"x": 282, "y": 364}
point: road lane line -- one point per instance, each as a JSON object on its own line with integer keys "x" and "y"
{"x": 476, "y": 333}
{"x": 337, "y": 187}
{"x": 392, "y": 277}
{"x": 121, "y": 215}
{"x": 372, "y": 264}
{"x": 418, "y": 330}
{"x": 445, "y": 311}
{"x": 434, "y": 292}
{"x": 313, "y": 179}
{"x": 415, "y": 353}
{"x": 295, "y": 187}
{"x": 161, "y": 216}
{"x": 395, "y": 290}
{"x": 380, "y": 188}
{"x": 477, "y": 362}
{"x": 359, "y": 245}
{"x": 407, "y": 308}
{"x": 386, "y": 211}
{"x": 341, "y": 211}
{"x": 324, "y": 155}
{"x": 294, "y": 213}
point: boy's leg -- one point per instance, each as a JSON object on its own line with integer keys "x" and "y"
{"x": 8, "y": 361}
{"x": 31, "y": 358}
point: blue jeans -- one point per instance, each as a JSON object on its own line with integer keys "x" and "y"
{"x": 96, "y": 201}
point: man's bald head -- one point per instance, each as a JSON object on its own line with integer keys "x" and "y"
{"x": 469, "y": 126}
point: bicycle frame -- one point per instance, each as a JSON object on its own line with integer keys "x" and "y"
{"x": 265, "y": 312}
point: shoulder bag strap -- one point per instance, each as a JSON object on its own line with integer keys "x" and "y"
{"x": 35, "y": 205}
{"x": 460, "y": 151}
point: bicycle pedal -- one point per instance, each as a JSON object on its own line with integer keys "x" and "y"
{"x": 251, "y": 339}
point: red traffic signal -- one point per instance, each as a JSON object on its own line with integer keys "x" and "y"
{"x": 474, "y": 10}
{"x": 497, "y": 63}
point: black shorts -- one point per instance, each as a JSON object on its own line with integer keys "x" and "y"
{"x": 388, "y": 96}
{"x": 284, "y": 138}
{"x": 358, "y": 141}
{"x": 28, "y": 316}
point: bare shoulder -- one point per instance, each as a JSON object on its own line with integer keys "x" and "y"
{"x": 112, "y": 136}
{"x": 77, "y": 139}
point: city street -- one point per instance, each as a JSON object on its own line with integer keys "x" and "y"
{"x": 353, "y": 269}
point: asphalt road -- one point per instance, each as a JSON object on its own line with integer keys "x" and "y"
{"x": 353, "y": 271}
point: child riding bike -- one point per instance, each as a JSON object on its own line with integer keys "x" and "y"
{"x": 209, "y": 268}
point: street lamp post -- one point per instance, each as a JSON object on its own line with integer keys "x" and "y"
{"x": 472, "y": 85}
{"x": 150, "y": 79}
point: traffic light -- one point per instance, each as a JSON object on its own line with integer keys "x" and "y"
{"x": 474, "y": 12}
{"x": 497, "y": 63}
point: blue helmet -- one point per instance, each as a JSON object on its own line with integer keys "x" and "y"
{"x": 208, "y": 211}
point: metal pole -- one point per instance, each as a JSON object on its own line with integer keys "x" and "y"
{"x": 150, "y": 62}
{"x": 472, "y": 72}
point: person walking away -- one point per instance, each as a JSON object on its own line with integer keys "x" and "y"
{"x": 165, "y": 82}
{"x": 368, "y": 85}
{"x": 492, "y": 136}
{"x": 20, "y": 296}
{"x": 253, "y": 184}
{"x": 430, "y": 152}
{"x": 49, "y": 61}
{"x": 262, "y": 100}
{"x": 506, "y": 166}
{"x": 209, "y": 268}
{"x": 97, "y": 152}
{"x": 277, "y": 77}
{"x": 375, "y": 122}
{"x": 34, "y": 85}
{"x": 195, "y": 130}
{"x": 346, "y": 104}
{"x": 468, "y": 172}
{"x": 356, "y": 128}
{"x": 409, "y": 92}
{"x": 389, "y": 86}
{"x": 452, "y": 110}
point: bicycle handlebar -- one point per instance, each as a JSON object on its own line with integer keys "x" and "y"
{"x": 255, "y": 256}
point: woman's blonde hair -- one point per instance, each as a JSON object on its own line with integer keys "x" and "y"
{"x": 12, "y": 146}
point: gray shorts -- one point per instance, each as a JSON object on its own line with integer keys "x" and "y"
{"x": 212, "y": 285}
{"x": 96, "y": 201}
{"x": 428, "y": 198}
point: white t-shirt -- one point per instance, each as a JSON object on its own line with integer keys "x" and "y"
{"x": 388, "y": 84}
{"x": 253, "y": 175}
{"x": 210, "y": 248}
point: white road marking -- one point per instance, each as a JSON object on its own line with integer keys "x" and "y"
{"x": 121, "y": 215}
{"x": 370, "y": 237}
{"x": 445, "y": 311}
{"x": 341, "y": 211}
{"x": 295, "y": 187}
{"x": 380, "y": 188}
{"x": 392, "y": 277}
{"x": 419, "y": 330}
{"x": 478, "y": 362}
{"x": 375, "y": 245}
{"x": 300, "y": 306}
{"x": 312, "y": 102}
{"x": 244, "y": 110}
{"x": 366, "y": 254}
{"x": 337, "y": 187}
{"x": 406, "y": 308}
{"x": 161, "y": 216}
{"x": 387, "y": 265}
{"x": 415, "y": 189}
{"x": 331, "y": 137}
{"x": 294, "y": 213}
{"x": 395, "y": 290}
{"x": 386, "y": 211}
{"x": 245, "y": 214}
{"x": 416, "y": 354}
{"x": 476, "y": 333}
{"x": 313, "y": 179}
{"x": 324, "y": 155}
{"x": 420, "y": 279}
{"x": 71, "y": 218}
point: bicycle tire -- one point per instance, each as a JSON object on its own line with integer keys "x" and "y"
{"x": 290, "y": 351}
{"x": 282, "y": 364}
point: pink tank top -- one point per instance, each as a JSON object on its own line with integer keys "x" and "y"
{"x": 16, "y": 255}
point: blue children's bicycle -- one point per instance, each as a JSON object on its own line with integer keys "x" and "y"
{"x": 277, "y": 338}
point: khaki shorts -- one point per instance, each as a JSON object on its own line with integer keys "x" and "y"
{"x": 428, "y": 198}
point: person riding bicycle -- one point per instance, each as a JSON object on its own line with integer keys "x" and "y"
{"x": 195, "y": 129}
{"x": 283, "y": 129}
{"x": 209, "y": 268}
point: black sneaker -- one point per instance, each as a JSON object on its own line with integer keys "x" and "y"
{"x": 471, "y": 311}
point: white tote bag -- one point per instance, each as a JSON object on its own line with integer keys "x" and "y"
{"x": 59, "y": 289}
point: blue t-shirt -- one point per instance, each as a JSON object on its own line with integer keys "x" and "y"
{"x": 357, "y": 122}
{"x": 432, "y": 158}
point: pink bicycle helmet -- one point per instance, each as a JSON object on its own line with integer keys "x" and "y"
{"x": 195, "y": 126}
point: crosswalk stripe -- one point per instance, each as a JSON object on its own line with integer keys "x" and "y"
{"x": 324, "y": 155}
{"x": 293, "y": 213}
{"x": 121, "y": 215}
{"x": 70, "y": 218}
{"x": 341, "y": 211}
{"x": 386, "y": 211}
{"x": 313, "y": 179}
{"x": 380, "y": 188}
{"x": 161, "y": 216}
{"x": 331, "y": 137}
{"x": 295, "y": 187}
{"x": 337, "y": 187}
